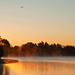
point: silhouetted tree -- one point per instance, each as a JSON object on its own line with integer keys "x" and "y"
{"x": 41, "y": 48}
{"x": 6, "y": 42}
{"x": 5, "y": 46}
{"x": 1, "y": 51}
{"x": 69, "y": 51}
{"x": 29, "y": 49}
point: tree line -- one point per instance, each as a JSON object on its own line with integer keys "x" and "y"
{"x": 33, "y": 49}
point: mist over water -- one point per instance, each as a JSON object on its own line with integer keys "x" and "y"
{"x": 40, "y": 68}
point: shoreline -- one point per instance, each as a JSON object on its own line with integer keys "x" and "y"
{"x": 7, "y": 61}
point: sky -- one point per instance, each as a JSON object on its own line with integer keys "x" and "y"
{"x": 51, "y": 21}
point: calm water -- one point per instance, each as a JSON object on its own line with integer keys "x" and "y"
{"x": 40, "y": 66}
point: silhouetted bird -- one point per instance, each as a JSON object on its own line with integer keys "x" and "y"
{"x": 21, "y": 6}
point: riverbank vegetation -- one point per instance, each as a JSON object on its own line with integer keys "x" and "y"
{"x": 33, "y": 49}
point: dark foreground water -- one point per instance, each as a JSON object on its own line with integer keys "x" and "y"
{"x": 40, "y": 66}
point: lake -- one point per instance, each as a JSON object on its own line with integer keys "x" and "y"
{"x": 39, "y": 66}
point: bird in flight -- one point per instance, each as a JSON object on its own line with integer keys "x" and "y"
{"x": 22, "y": 7}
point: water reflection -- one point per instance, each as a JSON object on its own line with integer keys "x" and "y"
{"x": 4, "y": 70}
{"x": 1, "y": 69}
{"x": 40, "y": 68}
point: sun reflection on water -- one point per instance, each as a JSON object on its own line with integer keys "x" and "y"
{"x": 41, "y": 68}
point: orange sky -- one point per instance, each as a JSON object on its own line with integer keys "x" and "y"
{"x": 51, "y": 21}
